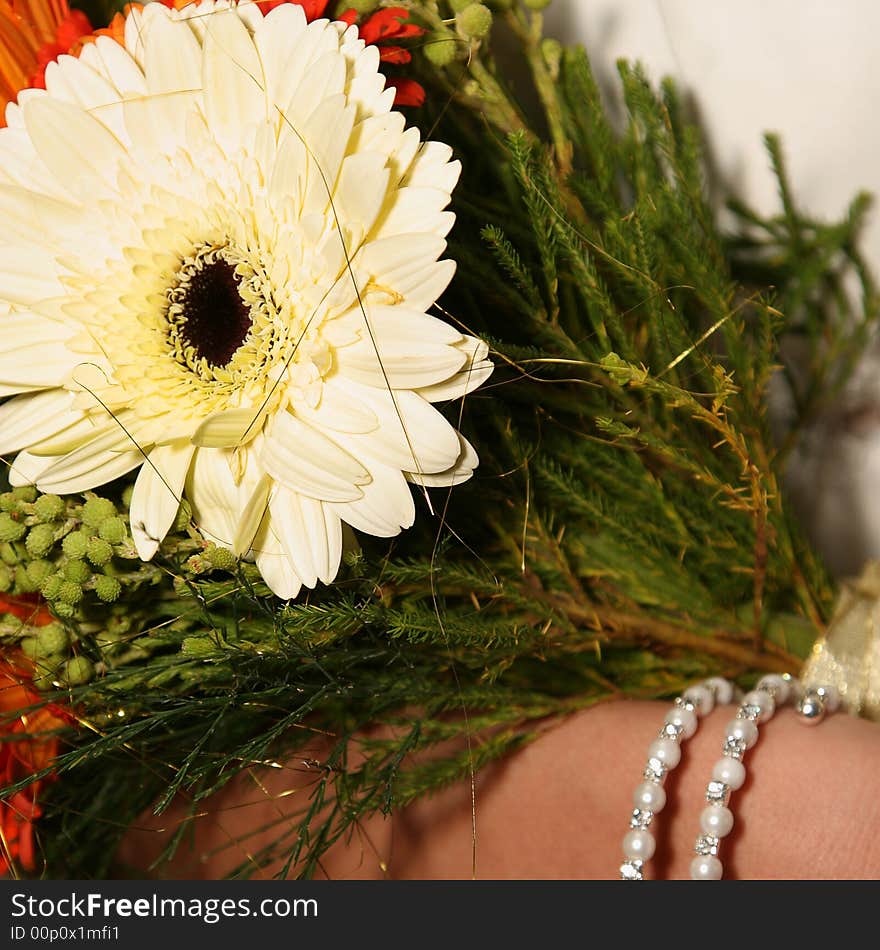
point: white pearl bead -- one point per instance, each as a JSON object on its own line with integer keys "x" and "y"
{"x": 706, "y": 868}
{"x": 649, "y": 797}
{"x": 639, "y": 845}
{"x": 701, "y": 697}
{"x": 684, "y": 718}
{"x": 779, "y": 684}
{"x": 716, "y": 820}
{"x": 667, "y": 751}
{"x": 722, "y": 688}
{"x": 743, "y": 729}
{"x": 763, "y": 700}
{"x": 729, "y": 771}
{"x": 830, "y": 696}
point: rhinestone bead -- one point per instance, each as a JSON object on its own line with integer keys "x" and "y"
{"x": 631, "y": 871}
{"x": 707, "y": 844}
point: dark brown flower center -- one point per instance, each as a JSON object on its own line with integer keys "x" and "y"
{"x": 211, "y": 316}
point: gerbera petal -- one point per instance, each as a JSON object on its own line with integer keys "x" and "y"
{"x": 252, "y": 516}
{"x": 304, "y": 460}
{"x": 337, "y": 412}
{"x": 110, "y": 453}
{"x": 74, "y": 145}
{"x": 26, "y": 469}
{"x": 30, "y": 419}
{"x": 213, "y": 494}
{"x": 274, "y": 564}
{"x": 157, "y": 493}
{"x": 412, "y": 435}
{"x": 310, "y": 534}
{"x": 476, "y": 370}
{"x": 460, "y": 472}
{"x": 227, "y": 429}
{"x": 386, "y": 507}
{"x": 402, "y": 349}
{"x": 234, "y": 84}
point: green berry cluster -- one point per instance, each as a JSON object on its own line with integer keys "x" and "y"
{"x": 60, "y": 548}
{"x": 212, "y": 558}
{"x": 49, "y": 647}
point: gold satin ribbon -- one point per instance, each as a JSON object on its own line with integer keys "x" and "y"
{"x": 848, "y": 655}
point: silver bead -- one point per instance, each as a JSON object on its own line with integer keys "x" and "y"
{"x": 811, "y": 707}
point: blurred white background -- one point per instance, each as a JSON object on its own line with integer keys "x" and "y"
{"x": 807, "y": 69}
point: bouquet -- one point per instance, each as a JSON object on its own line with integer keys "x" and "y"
{"x": 364, "y": 383}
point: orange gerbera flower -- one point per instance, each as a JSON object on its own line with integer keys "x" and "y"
{"x": 32, "y": 34}
{"x": 28, "y": 743}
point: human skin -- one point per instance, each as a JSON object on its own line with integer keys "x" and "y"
{"x": 559, "y": 808}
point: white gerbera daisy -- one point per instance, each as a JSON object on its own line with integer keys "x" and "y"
{"x": 219, "y": 245}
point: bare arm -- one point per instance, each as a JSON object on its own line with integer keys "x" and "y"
{"x": 559, "y": 808}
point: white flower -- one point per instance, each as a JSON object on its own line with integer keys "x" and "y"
{"x": 194, "y": 227}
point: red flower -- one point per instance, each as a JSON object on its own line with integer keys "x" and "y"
{"x": 28, "y": 743}
{"x": 392, "y": 23}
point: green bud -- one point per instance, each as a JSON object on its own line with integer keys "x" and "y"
{"x": 48, "y": 508}
{"x": 197, "y": 564}
{"x": 113, "y": 530}
{"x": 8, "y": 554}
{"x": 117, "y": 626}
{"x": 29, "y": 647}
{"x": 475, "y": 21}
{"x": 23, "y": 582}
{"x": 96, "y": 510}
{"x": 221, "y": 558}
{"x": 184, "y": 515}
{"x": 63, "y": 610}
{"x": 52, "y": 638}
{"x": 26, "y": 493}
{"x": 51, "y": 586}
{"x": 39, "y": 570}
{"x": 459, "y": 6}
{"x": 127, "y": 492}
{"x": 107, "y": 588}
{"x": 70, "y": 592}
{"x": 99, "y": 551}
{"x": 77, "y": 571}
{"x": 537, "y": 4}
{"x": 361, "y": 7}
{"x": 77, "y": 671}
{"x": 552, "y": 51}
{"x": 10, "y": 529}
{"x": 40, "y": 540}
{"x": 7, "y": 501}
{"x": 7, "y": 579}
{"x": 441, "y": 48}
{"x": 44, "y": 680}
{"x": 75, "y": 544}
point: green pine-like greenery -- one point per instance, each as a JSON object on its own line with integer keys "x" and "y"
{"x": 625, "y": 533}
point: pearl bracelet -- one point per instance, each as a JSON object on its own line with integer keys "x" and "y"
{"x": 728, "y": 773}
{"x": 664, "y": 754}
